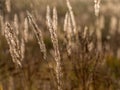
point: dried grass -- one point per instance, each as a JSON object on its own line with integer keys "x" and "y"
{"x": 16, "y": 48}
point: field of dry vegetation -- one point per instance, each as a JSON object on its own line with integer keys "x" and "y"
{"x": 59, "y": 44}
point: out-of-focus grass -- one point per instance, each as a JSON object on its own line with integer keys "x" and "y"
{"x": 84, "y": 15}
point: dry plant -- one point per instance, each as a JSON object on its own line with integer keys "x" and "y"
{"x": 68, "y": 33}
{"x": 113, "y": 25}
{"x": 85, "y": 56}
{"x": 17, "y": 48}
{"x": 84, "y": 63}
{"x": 16, "y": 26}
{"x": 98, "y": 27}
{"x": 70, "y": 29}
{"x": 72, "y": 17}
{"x": 8, "y": 5}
{"x": 38, "y": 34}
{"x": 86, "y": 59}
{"x": 2, "y": 24}
{"x": 97, "y": 7}
{"x": 52, "y": 26}
{"x": 26, "y": 30}
{"x": 99, "y": 35}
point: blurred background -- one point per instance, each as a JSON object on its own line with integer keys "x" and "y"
{"x": 35, "y": 73}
